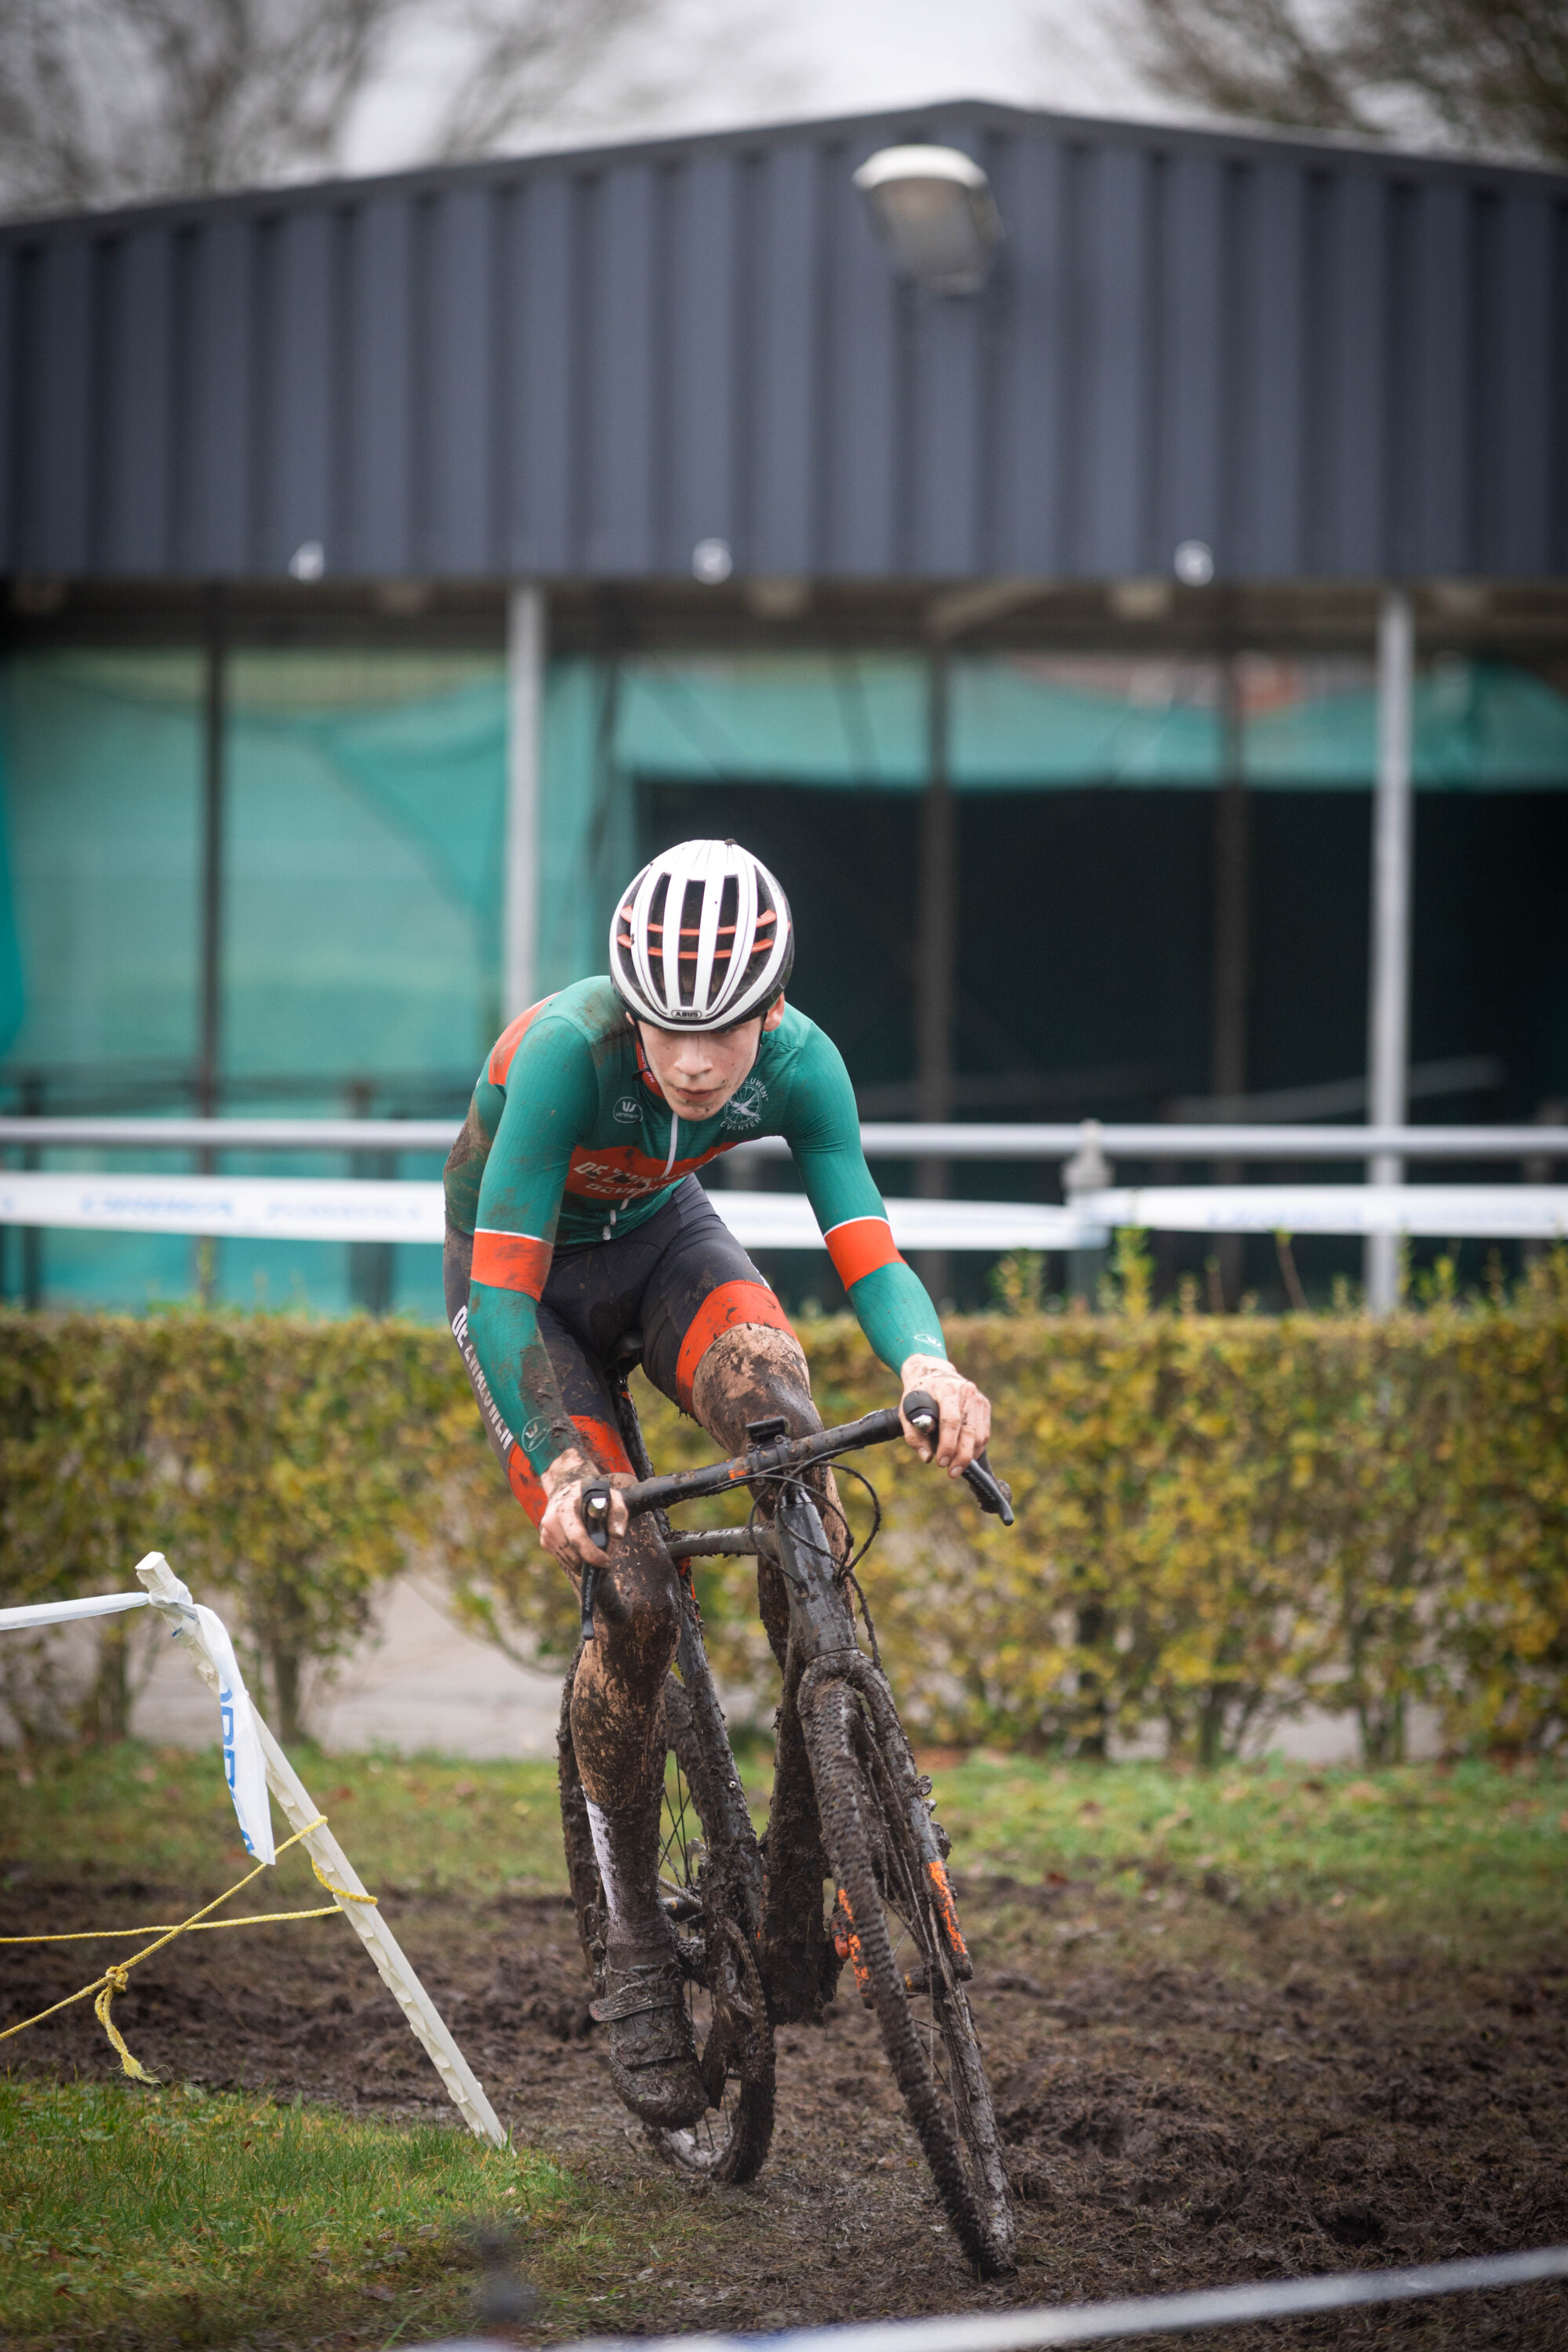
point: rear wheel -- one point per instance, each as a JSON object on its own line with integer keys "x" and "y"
{"x": 899, "y": 1930}
{"x": 702, "y": 1888}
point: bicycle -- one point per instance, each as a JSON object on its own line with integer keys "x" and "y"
{"x": 842, "y": 1760}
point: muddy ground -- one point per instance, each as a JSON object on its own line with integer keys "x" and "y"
{"x": 1254, "y": 2097}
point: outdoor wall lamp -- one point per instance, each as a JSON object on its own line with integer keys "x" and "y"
{"x": 933, "y": 207}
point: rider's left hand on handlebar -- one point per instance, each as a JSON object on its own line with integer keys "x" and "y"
{"x": 561, "y": 1531}
{"x": 965, "y": 1414}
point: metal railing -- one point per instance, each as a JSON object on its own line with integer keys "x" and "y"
{"x": 883, "y": 1140}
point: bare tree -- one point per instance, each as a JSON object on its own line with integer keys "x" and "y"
{"x": 106, "y": 102}
{"x": 523, "y": 61}
{"x": 1489, "y": 74}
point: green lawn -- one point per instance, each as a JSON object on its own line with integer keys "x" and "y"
{"x": 1475, "y": 1856}
{"x": 1475, "y": 1853}
{"x": 174, "y": 2216}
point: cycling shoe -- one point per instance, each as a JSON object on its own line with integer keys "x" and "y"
{"x": 653, "y": 2053}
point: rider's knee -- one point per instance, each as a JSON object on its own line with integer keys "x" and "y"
{"x": 754, "y": 1372}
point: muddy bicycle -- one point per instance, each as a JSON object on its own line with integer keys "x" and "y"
{"x": 843, "y": 1766}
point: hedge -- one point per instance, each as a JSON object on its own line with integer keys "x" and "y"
{"x": 1221, "y": 1520}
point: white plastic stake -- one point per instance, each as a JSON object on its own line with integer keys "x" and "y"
{"x": 172, "y": 1601}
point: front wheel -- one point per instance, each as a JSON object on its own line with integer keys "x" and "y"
{"x": 899, "y": 1930}
{"x": 701, "y": 1885}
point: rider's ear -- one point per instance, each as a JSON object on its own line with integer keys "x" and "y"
{"x": 774, "y": 1013}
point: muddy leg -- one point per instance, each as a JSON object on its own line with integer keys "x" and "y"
{"x": 620, "y": 1755}
{"x": 749, "y": 1375}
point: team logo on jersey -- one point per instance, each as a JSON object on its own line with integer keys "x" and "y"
{"x": 744, "y": 1108}
{"x": 536, "y": 1432}
{"x": 628, "y": 1111}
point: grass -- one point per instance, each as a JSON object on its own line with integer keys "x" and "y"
{"x": 174, "y": 2217}
{"x": 1474, "y": 1852}
{"x": 1474, "y": 1855}
{"x": 177, "y": 2216}
{"x": 181, "y": 2217}
{"x": 425, "y": 1825}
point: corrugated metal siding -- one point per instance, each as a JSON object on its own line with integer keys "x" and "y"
{"x": 1325, "y": 365}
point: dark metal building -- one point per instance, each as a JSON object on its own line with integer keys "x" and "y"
{"x": 1221, "y": 399}
{"x": 1324, "y": 362}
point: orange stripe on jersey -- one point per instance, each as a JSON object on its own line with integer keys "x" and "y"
{"x": 604, "y": 1443}
{"x": 510, "y": 1261}
{"x": 507, "y": 1044}
{"x": 604, "y": 1447}
{"x": 859, "y": 1245}
{"x": 722, "y": 1310}
{"x": 525, "y": 1483}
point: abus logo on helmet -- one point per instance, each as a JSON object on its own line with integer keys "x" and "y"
{"x": 628, "y": 1111}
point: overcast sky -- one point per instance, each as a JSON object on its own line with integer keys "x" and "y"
{"x": 717, "y": 62}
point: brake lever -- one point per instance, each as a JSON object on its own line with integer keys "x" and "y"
{"x": 992, "y": 1493}
{"x": 594, "y": 1508}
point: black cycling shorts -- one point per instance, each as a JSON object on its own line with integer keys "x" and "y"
{"x": 679, "y": 1279}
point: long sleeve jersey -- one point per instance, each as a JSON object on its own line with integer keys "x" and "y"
{"x": 568, "y": 1140}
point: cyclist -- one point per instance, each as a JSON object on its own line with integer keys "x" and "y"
{"x": 574, "y": 1221}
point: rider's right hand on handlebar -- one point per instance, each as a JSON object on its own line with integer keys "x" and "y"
{"x": 965, "y": 1414}
{"x": 561, "y": 1531}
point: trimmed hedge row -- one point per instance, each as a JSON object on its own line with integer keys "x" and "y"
{"x": 1221, "y": 1520}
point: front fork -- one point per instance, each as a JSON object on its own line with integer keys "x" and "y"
{"x": 822, "y": 1647}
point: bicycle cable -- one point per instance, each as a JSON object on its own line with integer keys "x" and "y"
{"x": 845, "y": 1573}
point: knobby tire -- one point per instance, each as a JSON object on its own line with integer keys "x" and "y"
{"x": 699, "y": 1882}
{"x": 927, "y": 2029}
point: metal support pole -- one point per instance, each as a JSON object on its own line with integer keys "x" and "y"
{"x": 936, "y": 924}
{"x": 1089, "y": 1171}
{"x": 525, "y": 657}
{"x": 209, "y": 1037}
{"x": 1388, "y": 1010}
{"x": 1232, "y": 943}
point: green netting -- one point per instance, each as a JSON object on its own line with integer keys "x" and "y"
{"x": 363, "y": 852}
{"x": 1035, "y": 722}
{"x": 364, "y": 806}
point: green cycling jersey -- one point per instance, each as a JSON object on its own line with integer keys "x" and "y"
{"x": 569, "y": 1140}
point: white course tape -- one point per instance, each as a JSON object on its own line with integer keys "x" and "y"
{"x": 254, "y": 1208}
{"x": 349, "y": 1209}
{"x": 62, "y": 1613}
{"x": 243, "y": 1765}
{"x": 1441, "y": 1211}
{"x": 1151, "y": 2315}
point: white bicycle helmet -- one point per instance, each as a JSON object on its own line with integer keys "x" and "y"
{"x": 702, "y": 938}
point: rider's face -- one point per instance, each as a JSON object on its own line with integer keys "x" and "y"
{"x": 699, "y": 1070}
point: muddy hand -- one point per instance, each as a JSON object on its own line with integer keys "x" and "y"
{"x": 562, "y": 1530}
{"x": 965, "y": 1414}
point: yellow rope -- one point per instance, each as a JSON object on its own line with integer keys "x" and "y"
{"x": 345, "y": 1894}
{"x": 116, "y": 1977}
{"x": 200, "y": 1927}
